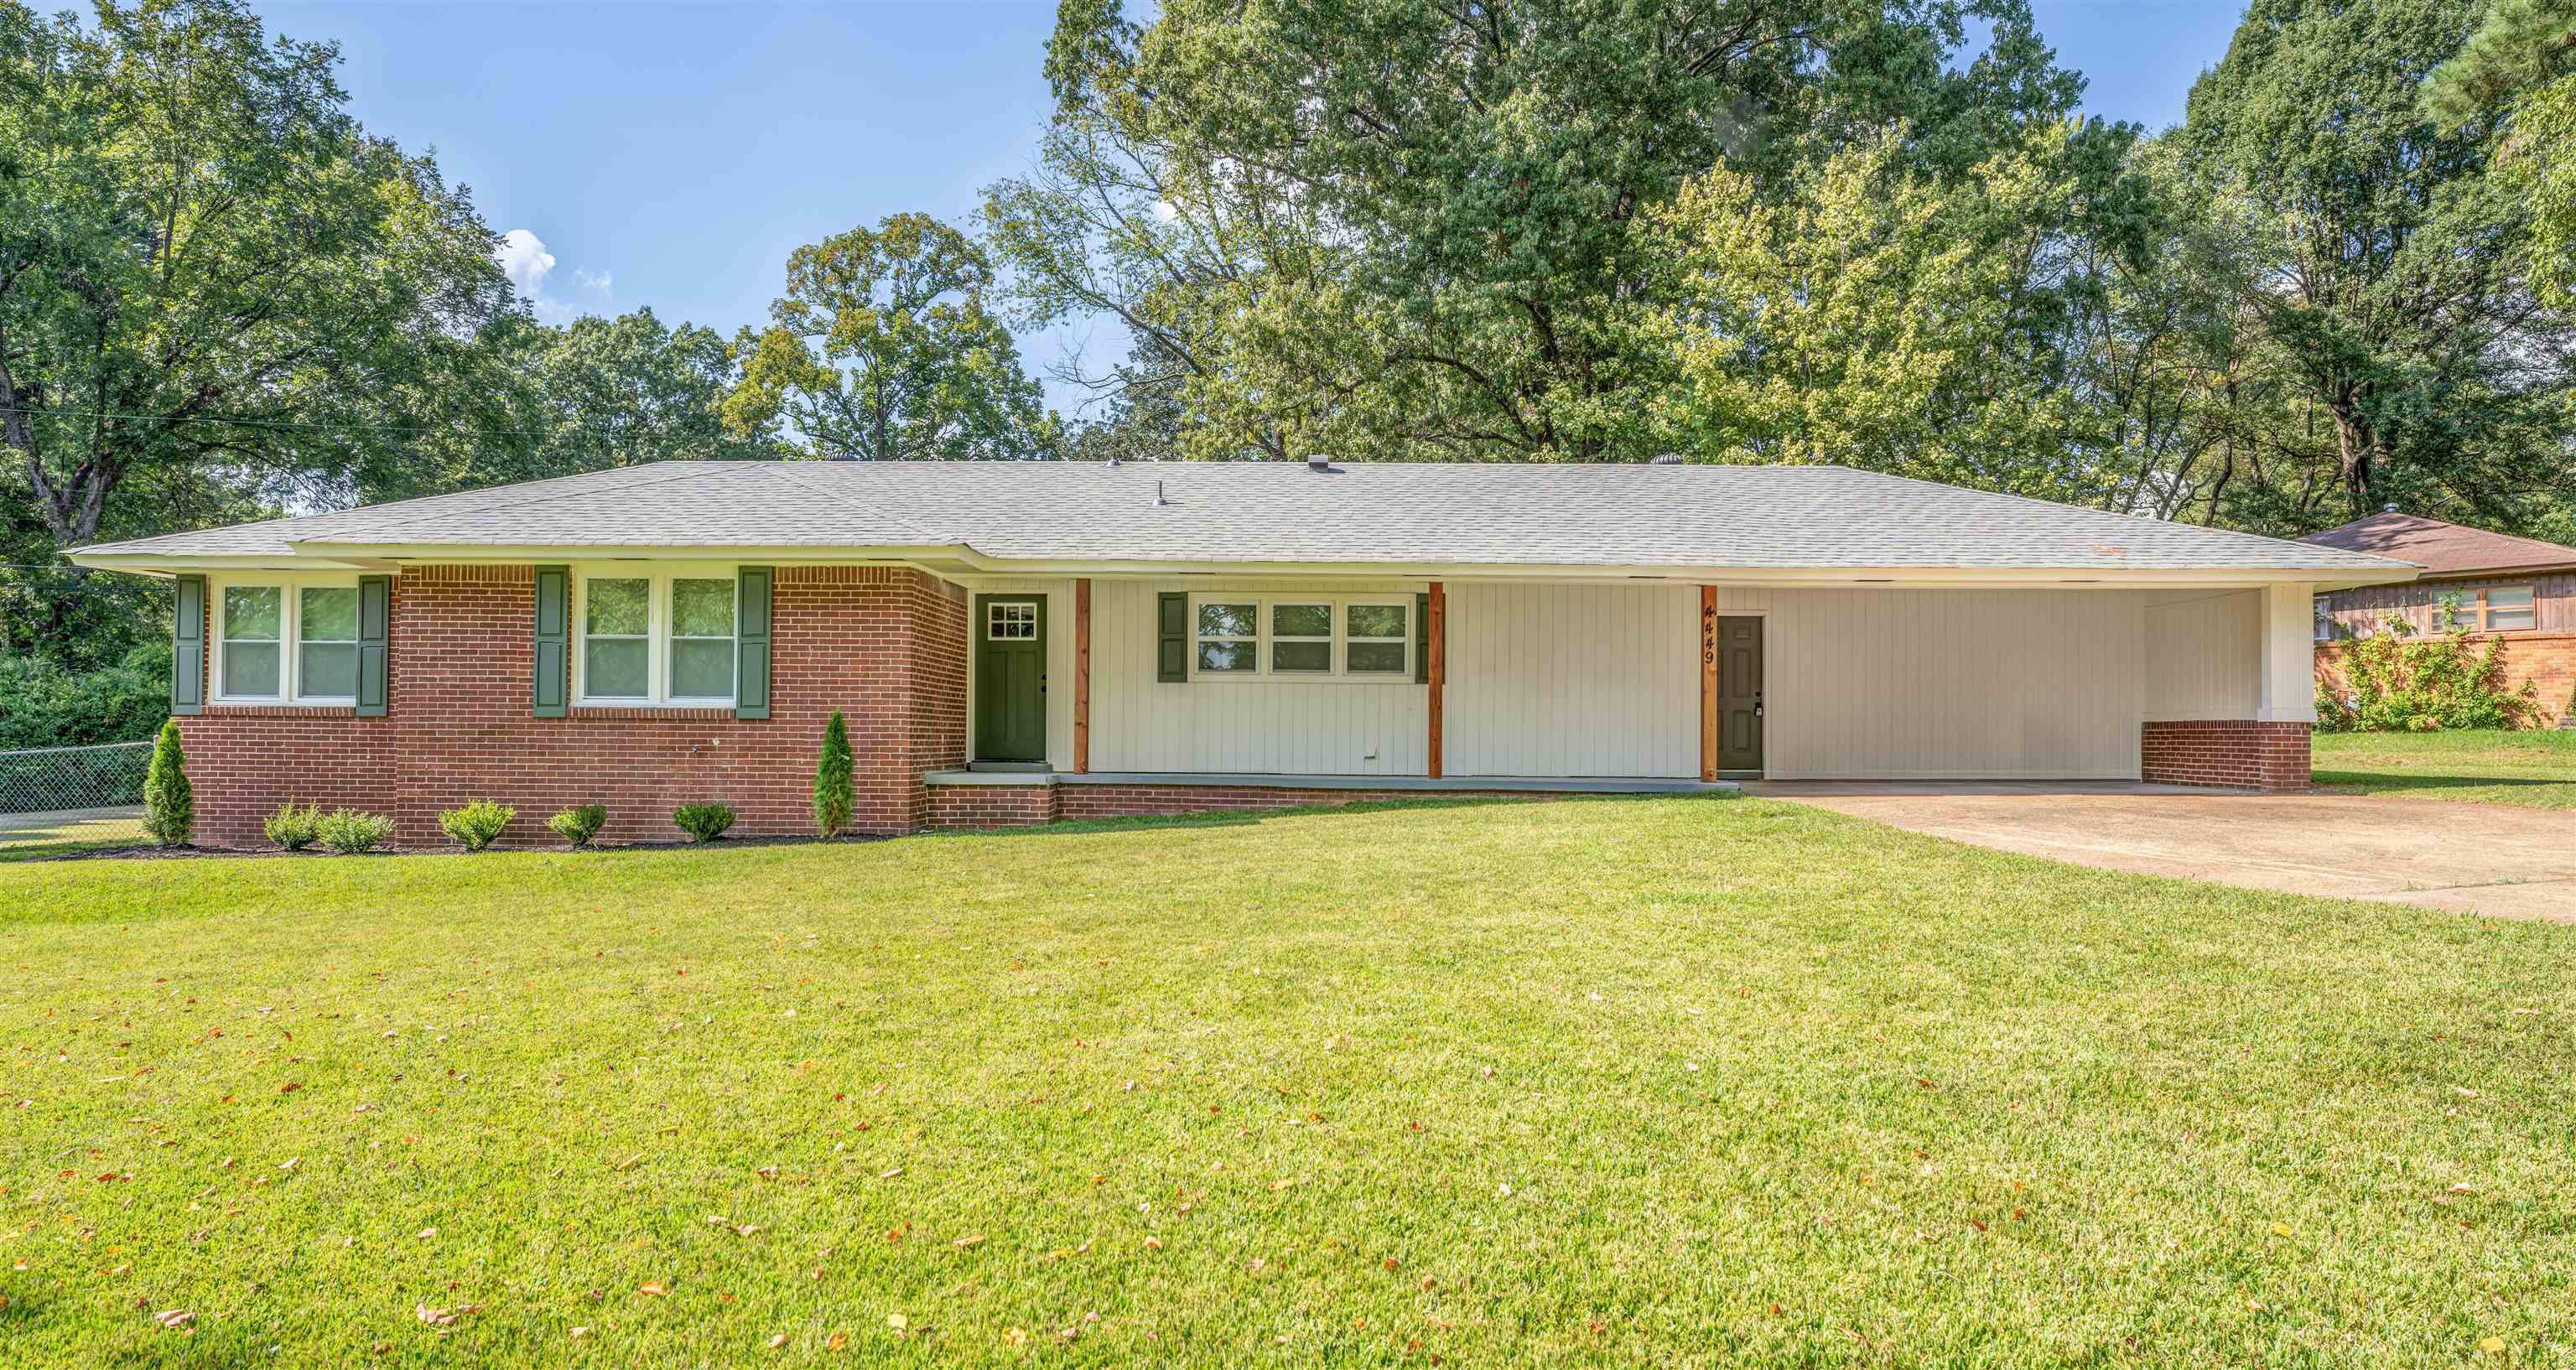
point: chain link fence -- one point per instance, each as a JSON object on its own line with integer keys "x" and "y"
{"x": 57, "y": 797}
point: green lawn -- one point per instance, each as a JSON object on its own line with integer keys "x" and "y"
{"x": 1601, "y": 1081}
{"x": 2533, "y": 769}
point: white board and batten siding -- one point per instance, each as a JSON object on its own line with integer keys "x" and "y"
{"x": 1869, "y": 684}
{"x": 1571, "y": 680}
{"x": 1265, "y": 727}
{"x": 1601, "y": 679}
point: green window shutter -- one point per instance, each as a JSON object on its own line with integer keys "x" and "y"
{"x": 1422, "y": 639}
{"x": 375, "y": 628}
{"x": 188, "y": 645}
{"x": 751, "y": 644}
{"x": 554, "y": 641}
{"x": 1172, "y": 655}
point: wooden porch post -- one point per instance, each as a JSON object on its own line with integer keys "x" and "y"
{"x": 1082, "y": 676}
{"x": 1437, "y": 648}
{"x": 1707, "y": 683}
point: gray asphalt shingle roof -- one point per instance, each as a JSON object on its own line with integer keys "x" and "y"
{"x": 1733, "y": 517}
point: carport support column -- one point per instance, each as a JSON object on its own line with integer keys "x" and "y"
{"x": 2288, "y": 693}
{"x": 1082, "y": 676}
{"x": 1436, "y": 648}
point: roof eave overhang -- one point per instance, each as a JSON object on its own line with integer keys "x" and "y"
{"x": 957, "y": 558}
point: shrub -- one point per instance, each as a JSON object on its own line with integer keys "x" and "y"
{"x": 169, "y": 804}
{"x": 703, "y": 822}
{"x": 43, "y": 704}
{"x": 477, "y": 824}
{"x": 348, "y": 832}
{"x": 294, "y": 828}
{"x": 2395, "y": 684}
{"x": 832, "y": 779}
{"x": 579, "y": 824}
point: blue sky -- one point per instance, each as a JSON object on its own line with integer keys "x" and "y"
{"x": 674, "y": 154}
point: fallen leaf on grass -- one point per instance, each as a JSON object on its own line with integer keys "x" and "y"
{"x": 174, "y": 1318}
{"x": 778, "y": 1341}
{"x": 442, "y": 1317}
{"x": 653, "y": 1289}
{"x": 967, "y": 1243}
{"x": 836, "y": 1341}
{"x": 2491, "y": 1345}
{"x": 580, "y": 1332}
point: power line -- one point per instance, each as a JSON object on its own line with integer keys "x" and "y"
{"x": 285, "y": 426}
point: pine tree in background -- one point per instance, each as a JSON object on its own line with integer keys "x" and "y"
{"x": 169, "y": 805}
{"x": 832, "y": 779}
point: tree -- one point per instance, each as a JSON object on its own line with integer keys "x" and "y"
{"x": 169, "y": 803}
{"x": 1420, "y": 230}
{"x": 832, "y": 778}
{"x": 2522, "y": 61}
{"x": 882, "y": 350}
{"x": 2391, "y": 349}
{"x": 201, "y": 253}
{"x": 527, "y": 402}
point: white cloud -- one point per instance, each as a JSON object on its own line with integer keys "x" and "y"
{"x": 594, "y": 280}
{"x": 524, "y": 259}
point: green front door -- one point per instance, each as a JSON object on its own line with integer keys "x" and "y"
{"x": 1739, "y": 694}
{"x": 1010, "y": 678}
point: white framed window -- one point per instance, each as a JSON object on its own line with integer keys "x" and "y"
{"x": 664, "y": 636}
{"x": 285, "y": 640}
{"x": 2509, "y": 607}
{"x": 2324, "y": 619}
{"x": 1360, "y": 639}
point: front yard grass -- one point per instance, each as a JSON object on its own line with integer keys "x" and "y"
{"x": 2535, "y": 769}
{"x": 1598, "y": 1081}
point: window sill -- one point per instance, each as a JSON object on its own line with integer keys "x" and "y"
{"x": 286, "y": 708}
{"x": 1296, "y": 678}
{"x": 645, "y": 709}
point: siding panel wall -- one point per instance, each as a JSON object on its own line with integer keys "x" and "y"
{"x": 2204, "y": 655}
{"x": 1950, "y": 684}
{"x": 1256, "y": 727}
{"x": 1556, "y": 680}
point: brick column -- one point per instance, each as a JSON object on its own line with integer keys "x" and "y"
{"x": 2231, "y": 753}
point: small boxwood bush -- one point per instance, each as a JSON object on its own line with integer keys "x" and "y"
{"x": 293, "y": 828}
{"x": 703, "y": 822}
{"x": 349, "y": 832}
{"x": 474, "y": 826}
{"x": 579, "y": 824}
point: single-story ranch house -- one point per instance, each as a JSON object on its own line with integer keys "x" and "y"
{"x": 2520, "y": 591}
{"x": 1015, "y": 643}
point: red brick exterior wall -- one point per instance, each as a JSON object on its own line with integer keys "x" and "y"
{"x": 954, "y": 807}
{"x": 887, "y": 645}
{"x": 2546, "y": 659}
{"x": 1119, "y": 801}
{"x": 2229, "y": 752}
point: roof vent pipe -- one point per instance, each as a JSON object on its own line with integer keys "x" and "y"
{"x": 1159, "y": 501}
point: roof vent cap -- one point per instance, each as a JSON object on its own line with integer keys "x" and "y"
{"x": 1667, "y": 459}
{"x": 1319, "y": 462}
{"x": 2388, "y": 508}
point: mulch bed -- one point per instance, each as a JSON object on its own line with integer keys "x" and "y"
{"x": 147, "y": 851}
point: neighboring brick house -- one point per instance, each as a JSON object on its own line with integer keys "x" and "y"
{"x": 2521, "y": 590}
{"x": 1020, "y": 643}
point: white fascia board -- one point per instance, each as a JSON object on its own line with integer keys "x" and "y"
{"x": 159, "y": 564}
{"x": 431, "y": 553}
{"x": 1921, "y": 577}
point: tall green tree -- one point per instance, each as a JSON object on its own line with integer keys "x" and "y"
{"x": 2394, "y": 350}
{"x": 201, "y": 253}
{"x": 882, "y": 350}
{"x": 1421, "y": 229}
{"x": 528, "y": 401}
{"x": 2522, "y": 62}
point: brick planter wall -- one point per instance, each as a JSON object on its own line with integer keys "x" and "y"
{"x": 2546, "y": 659}
{"x": 887, "y": 645}
{"x": 2233, "y": 753}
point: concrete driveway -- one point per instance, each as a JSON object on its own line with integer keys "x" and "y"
{"x": 2469, "y": 858}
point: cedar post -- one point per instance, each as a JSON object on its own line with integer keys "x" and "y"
{"x": 1437, "y": 648}
{"x": 1082, "y": 676}
{"x": 1707, "y": 683}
